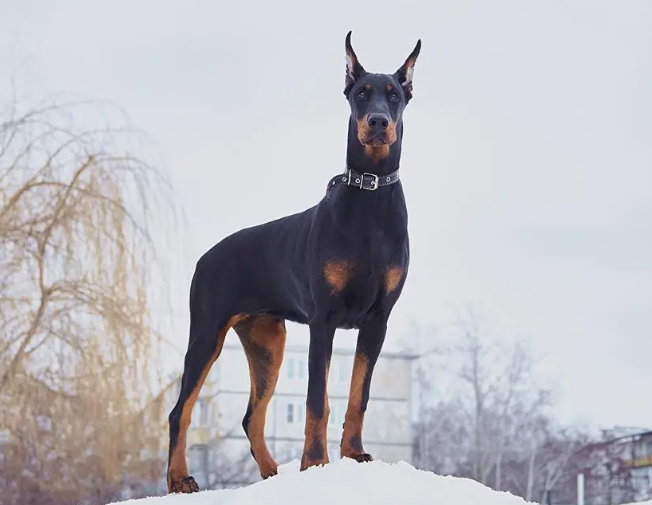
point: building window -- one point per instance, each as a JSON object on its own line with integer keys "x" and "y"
{"x": 332, "y": 370}
{"x": 336, "y": 417}
{"x": 296, "y": 369}
{"x": 339, "y": 370}
{"x": 343, "y": 375}
{"x": 296, "y": 412}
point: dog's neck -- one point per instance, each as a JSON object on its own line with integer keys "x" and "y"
{"x": 379, "y": 161}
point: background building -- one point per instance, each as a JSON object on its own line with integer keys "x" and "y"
{"x": 619, "y": 470}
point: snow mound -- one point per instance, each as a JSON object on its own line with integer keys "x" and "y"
{"x": 346, "y": 482}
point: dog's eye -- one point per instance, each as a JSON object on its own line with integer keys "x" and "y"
{"x": 394, "y": 97}
{"x": 361, "y": 96}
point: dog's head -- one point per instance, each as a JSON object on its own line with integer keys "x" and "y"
{"x": 377, "y": 100}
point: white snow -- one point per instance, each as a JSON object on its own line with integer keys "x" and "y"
{"x": 344, "y": 482}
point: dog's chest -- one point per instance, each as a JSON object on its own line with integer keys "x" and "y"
{"x": 360, "y": 279}
{"x": 357, "y": 291}
{"x": 361, "y": 252}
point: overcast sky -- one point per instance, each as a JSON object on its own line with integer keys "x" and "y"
{"x": 527, "y": 157}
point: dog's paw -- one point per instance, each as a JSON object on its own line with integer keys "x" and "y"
{"x": 184, "y": 485}
{"x": 363, "y": 458}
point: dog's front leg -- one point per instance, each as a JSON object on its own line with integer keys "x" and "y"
{"x": 317, "y": 410}
{"x": 370, "y": 341}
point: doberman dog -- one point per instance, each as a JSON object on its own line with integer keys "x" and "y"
{"x": 339, "y": 264}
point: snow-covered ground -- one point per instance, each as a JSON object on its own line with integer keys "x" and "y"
{"x": 346, "y": 482}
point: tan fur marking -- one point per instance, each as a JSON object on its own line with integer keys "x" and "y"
{"x": 178, "y": 466}
{"x": 377, "y": 153}
{"x": 391, "y": 132}
{"x": 316, "y": 431}
{"x": 337, "y": 274}
{"x": 367, "y": 86}
{"x": 363, "y": 130}
{"x": 393, "y": 277}
{"x": 390, "y": 87}
{"x": 267, "y": 333}
{"x": 354, "y": 419}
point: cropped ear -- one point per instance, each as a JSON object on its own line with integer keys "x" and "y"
{"x": 354, "y": 71}
{"x": 404, "y": 74}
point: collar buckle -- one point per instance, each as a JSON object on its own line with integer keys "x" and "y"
{"x": 373, "y": 185}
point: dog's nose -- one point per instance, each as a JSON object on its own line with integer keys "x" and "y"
{"x": 378, "y": 122}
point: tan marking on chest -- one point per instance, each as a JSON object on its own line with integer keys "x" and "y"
{"x": 337, "y": 274}
{"x": 393, "y": 277}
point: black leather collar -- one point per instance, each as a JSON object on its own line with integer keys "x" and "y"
{"x": 370, "y": 182}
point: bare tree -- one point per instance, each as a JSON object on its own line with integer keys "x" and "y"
{"x": 556, "y": 453}
{"x": 227, "y": 469}
{"x": 543, "y": 456}
{"x": 78, "y": 345}
{"x": 491, "y": 421}
{"x": 444, "y": 440}
{"x": 504, "y": 398}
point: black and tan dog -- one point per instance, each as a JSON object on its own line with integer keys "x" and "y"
{"x": 339, "y": 264}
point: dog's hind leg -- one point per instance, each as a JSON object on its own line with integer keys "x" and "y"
{"x": 206, "y": 342}
{"x": 263, "y": 339}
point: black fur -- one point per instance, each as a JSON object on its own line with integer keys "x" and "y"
{"x": 278, "y": 268}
